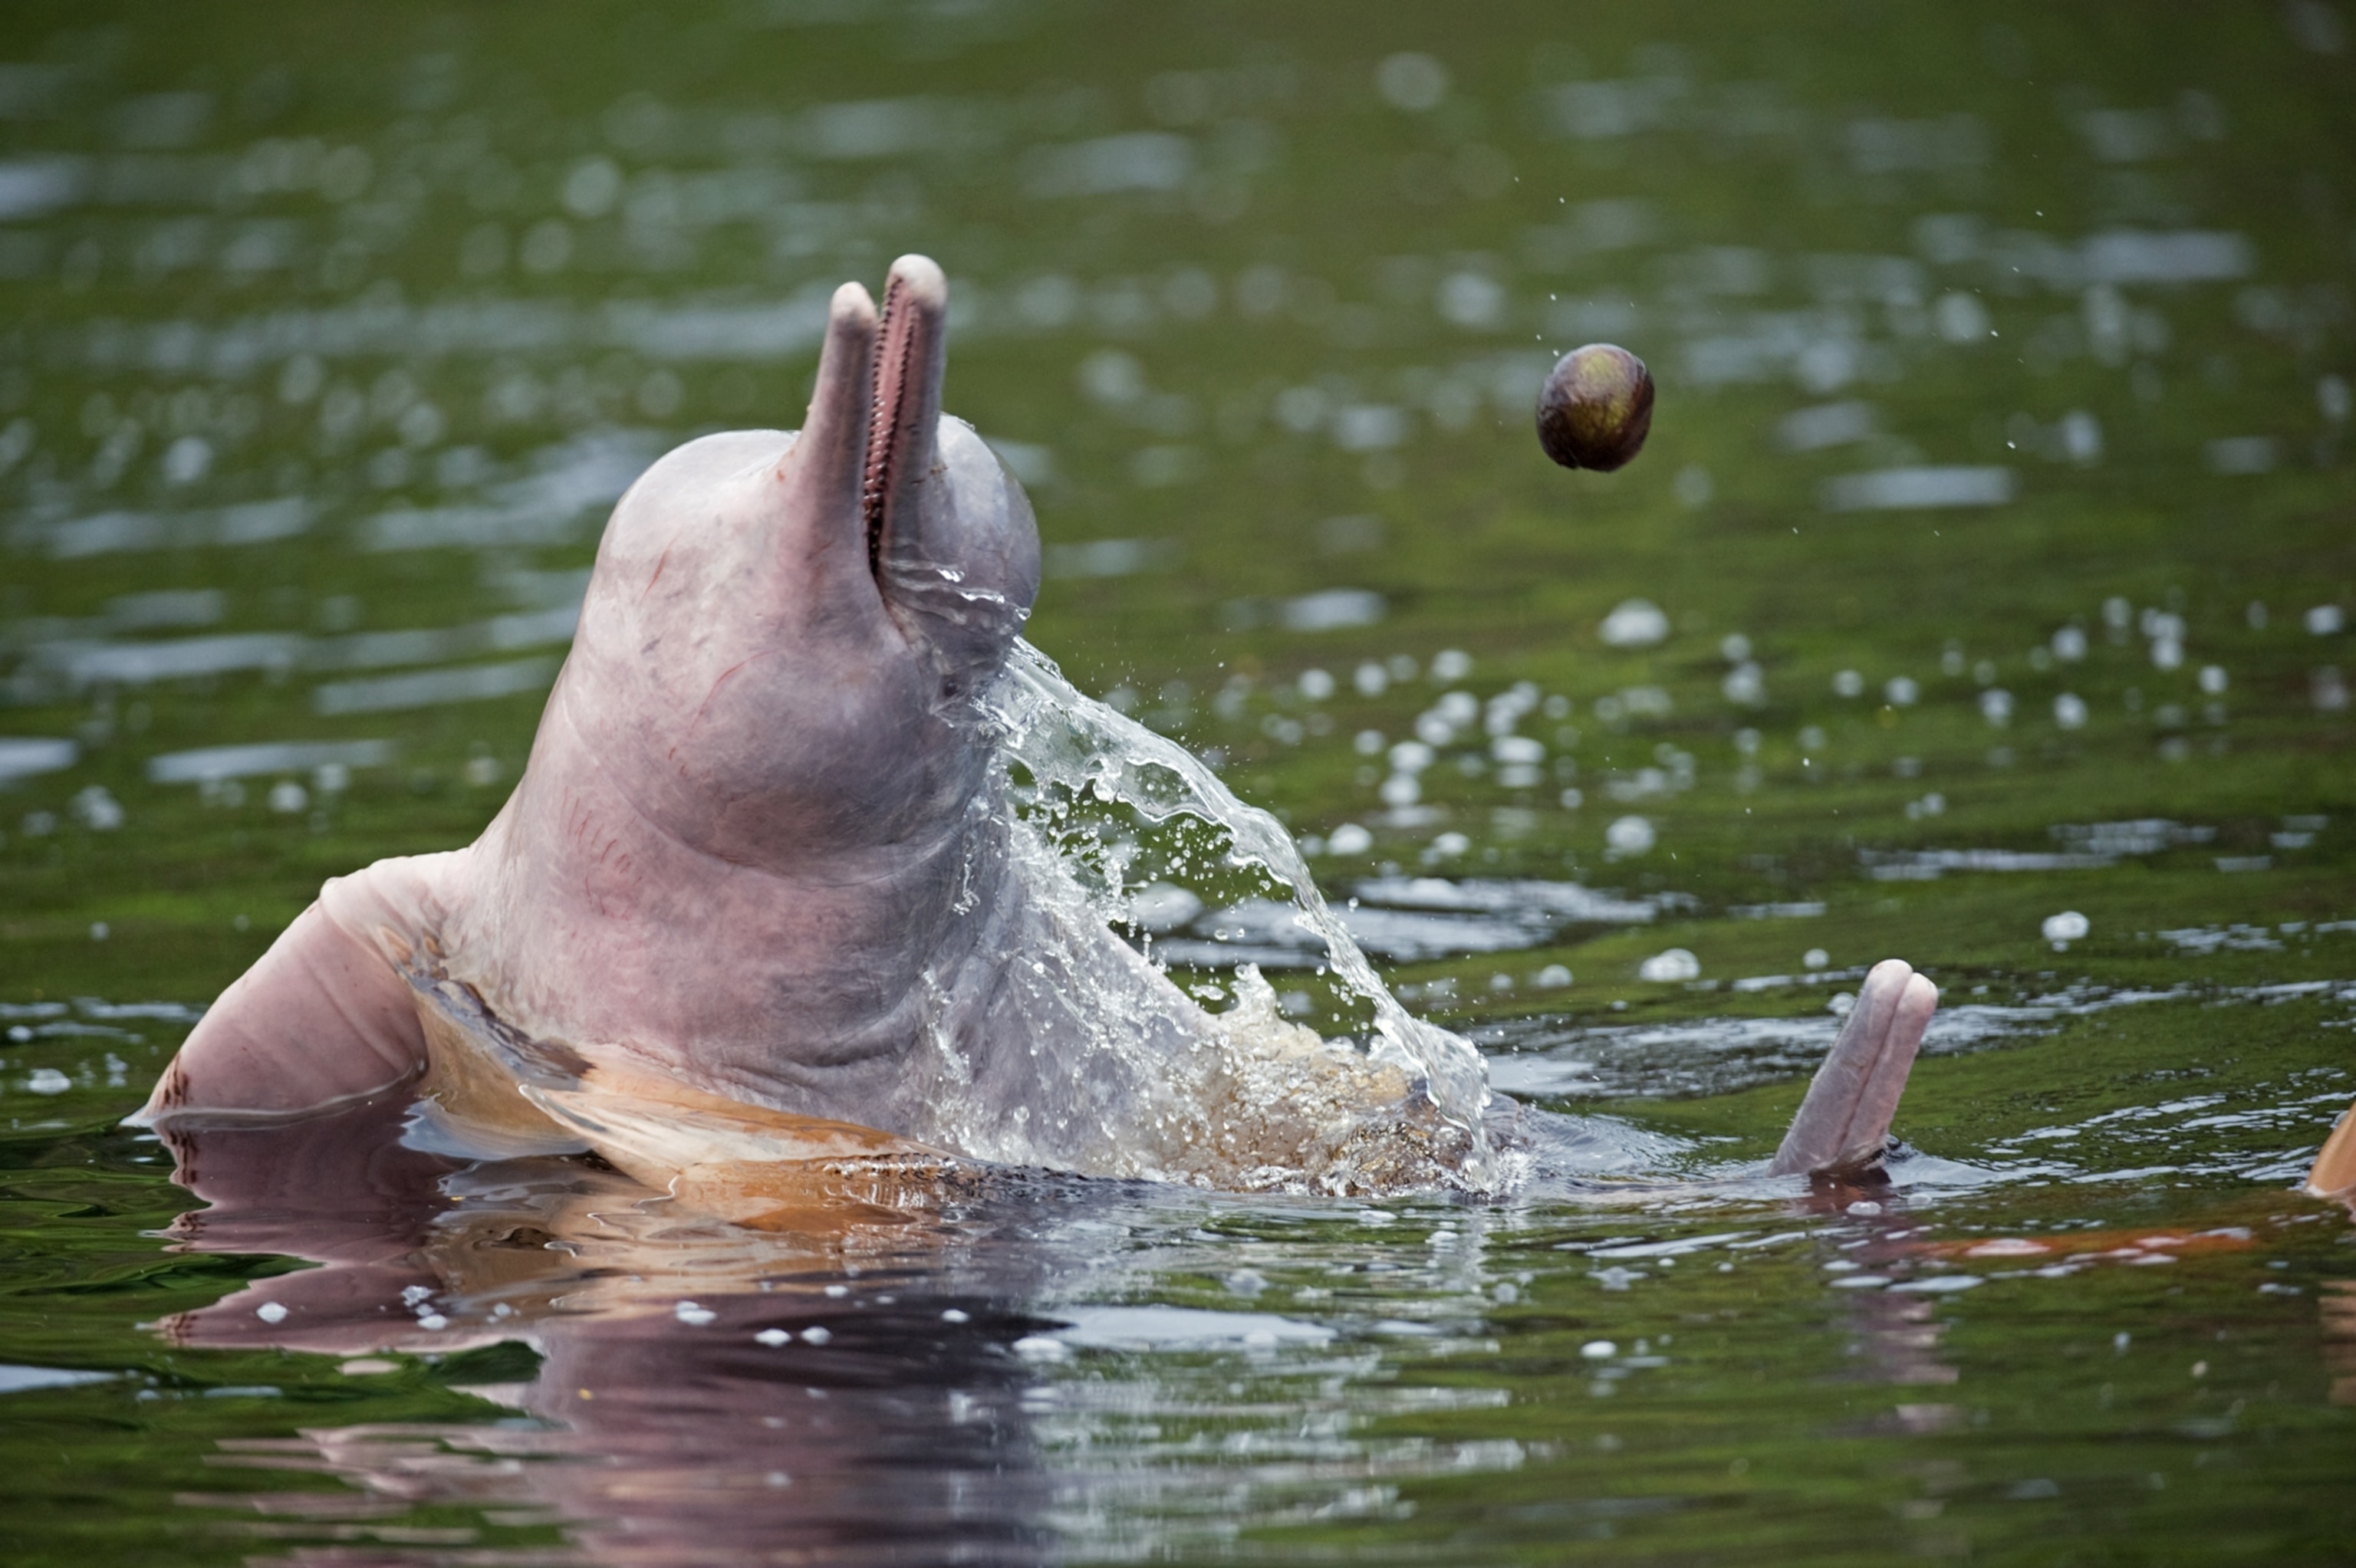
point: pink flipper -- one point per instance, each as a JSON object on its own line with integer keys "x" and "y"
{"x": 1844, "y": 1119}
{"x": 2335, "y": 1168}
{"x": 322, "y": 1018}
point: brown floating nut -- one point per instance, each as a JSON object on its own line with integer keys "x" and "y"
{"x": 1596, "y": 407}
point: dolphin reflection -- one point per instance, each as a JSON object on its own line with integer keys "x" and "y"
{"x": 705, "y": 1392}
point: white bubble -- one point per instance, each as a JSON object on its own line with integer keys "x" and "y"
{"x": 1677, "y": 963}
{"x": 97, "y": 809}
{"x": 2212, "y": 679}
{"x": 2070, "y": 711}
{"x": 771, "y": 1337}
{"x": 592, "y": 187}
{"x": 816, "y": 1336}
{"x": 188, "y": 460}
{"x": 1599, "y": 1350}
{"x": 1849, "y": 683}
{"x": 1996, "y": 705}
{"x": 1451, "y": 664}
{"x": 1451, "y": 845}
{"x": 1411, "y": 81}
{"x": 270, "y": 1312}
{"x": 47, "y": 1080}
{"x": 1815, "y": 958}
{"x": 1470, "y": 300}
{"x": 2069, "y": 645}
{"x": 2063, "y": 929}
{"x": 1370, "y": 678}
{"x": 288, "y": 797}
{"x": 1635, "y": 624}
{"x": 1553, "y": 978}
{"x": 1962, "y": 318}
{"x": 1400, "y": 790}
{"x": 2325, "y": 620}
{"x": 1900, "y": 691}
{"x": 1349, "y": 839}
{"x": 1630, "y": 835}
{"x": 1316, "y": 684}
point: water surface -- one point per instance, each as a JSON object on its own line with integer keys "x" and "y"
{"x": 1989, "y": 565}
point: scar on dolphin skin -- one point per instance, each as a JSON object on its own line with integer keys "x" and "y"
{"x": 757, "y": 685}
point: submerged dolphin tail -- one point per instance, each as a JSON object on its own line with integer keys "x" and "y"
{"x": 1844, "y": 1120}
{"x": 2335, "y": 1168}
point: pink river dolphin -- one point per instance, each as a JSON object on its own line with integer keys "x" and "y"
{"x": 759, "y": 895}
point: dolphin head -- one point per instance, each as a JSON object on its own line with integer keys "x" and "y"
{"x": 784, "y": 632}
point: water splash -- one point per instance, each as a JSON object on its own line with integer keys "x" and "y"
{"x": 1104, "y": 793}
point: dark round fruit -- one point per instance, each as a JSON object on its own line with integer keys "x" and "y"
{"x": 1596, "y": 409}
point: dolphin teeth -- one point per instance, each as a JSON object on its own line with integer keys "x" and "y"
{"x": 895, "y": 348}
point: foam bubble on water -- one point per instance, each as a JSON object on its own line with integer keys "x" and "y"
{"x": 1674, "y": 964}
{"x": 1635, "y": 624}
{"x": 1630, "y": 835}
{"x": 2063, "y": 929}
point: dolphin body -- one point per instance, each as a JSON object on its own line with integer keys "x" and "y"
{"x": 761, "y": 869}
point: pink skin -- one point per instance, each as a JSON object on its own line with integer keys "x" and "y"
{"x": 754, "y": 832}
{"x": 760, "y": 849}
{"x": 1844, "y": 1122}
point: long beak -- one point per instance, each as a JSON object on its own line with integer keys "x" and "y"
{"x": 904, "y": 429}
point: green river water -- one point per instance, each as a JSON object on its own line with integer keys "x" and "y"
{"x": 1983, "y": 598}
